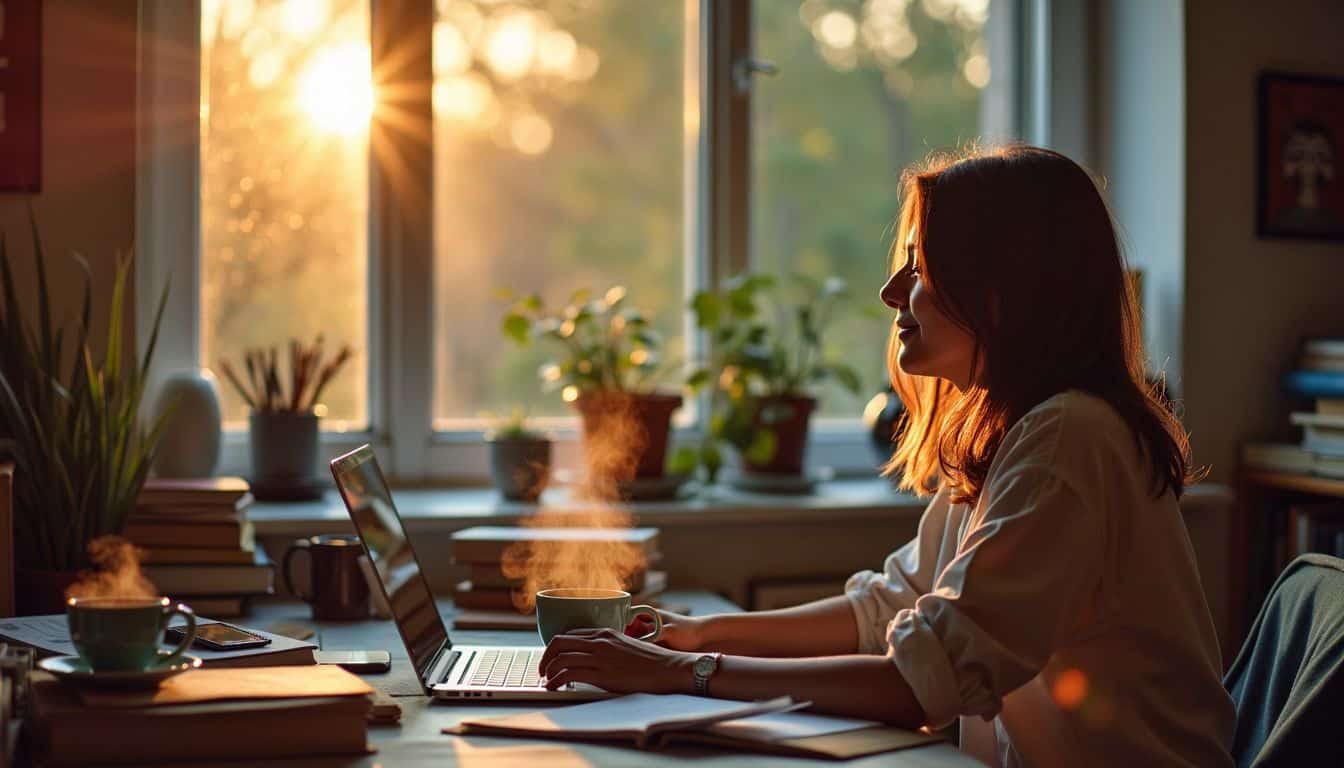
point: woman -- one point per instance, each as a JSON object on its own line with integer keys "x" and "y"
{"x": 1050, "y": 599}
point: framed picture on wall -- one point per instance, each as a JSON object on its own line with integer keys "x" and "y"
{"x": 1301, "y": 175}
{"x": 20, "y": 95}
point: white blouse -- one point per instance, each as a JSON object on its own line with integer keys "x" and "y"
{"x": 1061, "y": 616}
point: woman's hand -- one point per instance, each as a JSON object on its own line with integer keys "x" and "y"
{"x": 615, "y": 662}
{"x": 680, "y": 633}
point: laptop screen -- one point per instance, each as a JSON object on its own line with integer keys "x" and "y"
{"x": 370, "y": 503}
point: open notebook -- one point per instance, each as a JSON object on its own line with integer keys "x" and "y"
{"x": 650, "y": 721}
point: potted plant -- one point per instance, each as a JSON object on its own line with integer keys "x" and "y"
{"x": 609, "y": 358}
{"x": 284, "y": 421}
{"x": 81, "y": 453}
{"x": 520, "y": 458}
{"x": 766, "y": 357}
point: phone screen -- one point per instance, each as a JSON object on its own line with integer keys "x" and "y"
{"x": 220, "y": 636}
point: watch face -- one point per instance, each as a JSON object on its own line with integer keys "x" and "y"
{"x": 704, "y": 666}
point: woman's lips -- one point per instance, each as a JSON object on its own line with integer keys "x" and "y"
{"x": 906, "y": 333}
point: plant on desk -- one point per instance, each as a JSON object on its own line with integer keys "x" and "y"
{"x": 285, "y": 416}
{"x": 609, "y": 359}
{"x": 766, "y": 356}
{"x": 520, "y": 458}
{"x": 80, "y": 452}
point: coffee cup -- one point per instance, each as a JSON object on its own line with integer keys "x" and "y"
{"x": 123, "y": 633}
{"x": 337, "y": 587}
{"x": 567, "y": 609}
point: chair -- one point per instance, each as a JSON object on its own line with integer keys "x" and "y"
{"x": 1288, "y": 680}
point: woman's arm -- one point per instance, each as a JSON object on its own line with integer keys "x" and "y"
{"x": 822, "y": 628}
{"x": 869, "y": 687}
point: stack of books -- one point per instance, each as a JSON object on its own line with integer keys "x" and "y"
{"x": 226, "y": 715}
{"x": 199, "y": 547}
{"x": 1319, "y": 380}
{"x": 493, "y": 596}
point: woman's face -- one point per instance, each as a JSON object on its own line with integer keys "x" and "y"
{"x": 931, "y": 343}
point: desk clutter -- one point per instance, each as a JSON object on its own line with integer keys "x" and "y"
{"x": 1318, "y": 380}
{"x": 495, "y": 596}
{"x": 199, "y": 546}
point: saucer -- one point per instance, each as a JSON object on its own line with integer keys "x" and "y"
{"x": 769, "y": 482}
{"x": 73, "y": 669}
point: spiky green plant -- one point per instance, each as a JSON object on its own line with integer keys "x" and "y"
{"x": 81, "y": 454}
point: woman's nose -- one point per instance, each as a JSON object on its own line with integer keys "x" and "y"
{"x": 895, "y": 293}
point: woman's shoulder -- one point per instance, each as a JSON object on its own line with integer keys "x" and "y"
{"x": 1074, "y": 432}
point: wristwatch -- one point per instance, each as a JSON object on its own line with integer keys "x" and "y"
{"x": 704, "y": 668}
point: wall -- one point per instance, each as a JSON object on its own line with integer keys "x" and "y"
{"x": 87, "y": 202}
{"x": 1247, "y": 301}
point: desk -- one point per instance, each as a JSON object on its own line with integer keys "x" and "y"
{"x": 417, "y": 741}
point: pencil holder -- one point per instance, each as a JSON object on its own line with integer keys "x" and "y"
{"x": 284, "y": 456}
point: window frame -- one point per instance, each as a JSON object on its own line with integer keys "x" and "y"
{"x": 716, "y": 196}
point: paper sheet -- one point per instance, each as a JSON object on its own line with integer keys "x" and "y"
{"x": 629, "y": 716}
{"x": 778, "y": 726}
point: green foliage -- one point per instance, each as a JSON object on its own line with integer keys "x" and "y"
{"x": 604, "y": 344}
{"x": 80, "y": 453}
{"x": 514, "y": 427}
{"x": 767, "y": 340}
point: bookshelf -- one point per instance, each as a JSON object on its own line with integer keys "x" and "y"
{"x": 1260, "y": 493}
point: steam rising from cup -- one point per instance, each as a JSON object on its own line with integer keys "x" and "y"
{"x": 116, "y": 572}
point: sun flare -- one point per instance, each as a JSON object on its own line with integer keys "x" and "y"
{"x": 336, "y": 90}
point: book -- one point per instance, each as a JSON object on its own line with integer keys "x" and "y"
{"x": 71, "y": 731}
{"x": 258, "y": 578}
{"x": 486, "y": 544}
{"x": 1315, "y": 384}
{"x": 490, "y": 576}
{"x": 221, "y": 607}
{"x": 191, "y": 492}
{"x": 49, "y": 635}
{"x": 469, "y": 597}
{"x": 231, "y": 534}
{"x": 1315, "y": 527}
{"x": 652, "y": 722}
{"x": 195, "y": 509}
{"x": 197, "y": 556}
{"x": 1330, "y": 406}
{"x": 1322, "y": 433}
{"x": 1278, "y": 457}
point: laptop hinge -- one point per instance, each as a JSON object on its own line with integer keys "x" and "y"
{"x": 436, "y": 669}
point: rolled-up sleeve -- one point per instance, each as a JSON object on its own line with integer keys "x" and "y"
{"x": 907, "y": 573}
{"x": 1024, "y": 573}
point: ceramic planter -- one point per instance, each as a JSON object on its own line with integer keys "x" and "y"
{"x": 628, "y": 429}
{"x": 787, "y": 417}
{"x": 284, "y": 456}
{"x": 520, "y": 466}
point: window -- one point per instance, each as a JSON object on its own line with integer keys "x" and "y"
{"x": 557, "y": 168}
{"x": 864, "y": 89}
{"x": 564, "y": 156}
{"x": 285, "y": 102}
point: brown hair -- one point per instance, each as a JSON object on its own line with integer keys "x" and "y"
{"x": 1019, "y": 249}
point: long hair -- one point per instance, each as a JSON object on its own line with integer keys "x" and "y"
{"x": 1020, "y": 251}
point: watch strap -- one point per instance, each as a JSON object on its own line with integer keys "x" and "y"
{"x": 702, "y": 679}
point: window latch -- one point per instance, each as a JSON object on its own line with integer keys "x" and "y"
{"x": 745, "y": 67}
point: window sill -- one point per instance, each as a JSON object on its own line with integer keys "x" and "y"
{"x": 451, "y": 509}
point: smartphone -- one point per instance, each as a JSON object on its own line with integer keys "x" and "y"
{"x": 356, "y": 661}
{"x": 218, "y": 636}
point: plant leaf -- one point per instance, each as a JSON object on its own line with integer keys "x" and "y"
{"x": 517, "y": 328}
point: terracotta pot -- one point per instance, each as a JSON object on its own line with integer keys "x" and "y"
{"x": 520, "y": 466}
{"x": 623, "y": 430}
{"x": 41, "y": 592}
{"x": 787, "y": 417}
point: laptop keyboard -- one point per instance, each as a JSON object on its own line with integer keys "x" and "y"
{"x": 508, "y": 669}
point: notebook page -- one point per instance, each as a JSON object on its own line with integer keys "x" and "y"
{"x": 631, "y": 716}
{"x": 778, "y": 726}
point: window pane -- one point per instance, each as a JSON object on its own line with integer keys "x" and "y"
{"x": 286, "y": 95}
{"x": 558, "y": 166}
{"x": 864, "y": 88}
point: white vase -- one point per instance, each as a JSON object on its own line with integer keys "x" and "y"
{"x": 189, "y": 443}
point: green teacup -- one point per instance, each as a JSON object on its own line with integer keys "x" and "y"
{"x": 123, "y": 633}
{"x": 563, "y": 610}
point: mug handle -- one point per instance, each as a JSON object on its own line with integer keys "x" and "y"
{"x": 299, "y": 544}
{"x": 652, "y": 613}
{"x": 187, "y": 637}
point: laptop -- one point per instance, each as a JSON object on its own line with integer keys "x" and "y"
{"x": 445, "y": 670}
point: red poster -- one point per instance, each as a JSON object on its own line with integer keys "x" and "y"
{"x": 20, "y": 95}
{"x": 1301, "y": 137}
